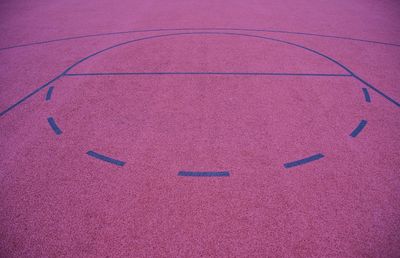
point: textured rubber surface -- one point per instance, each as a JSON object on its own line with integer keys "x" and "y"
{"x": 199, "y": 129}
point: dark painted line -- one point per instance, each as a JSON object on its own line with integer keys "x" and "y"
{"x": 207, "y": 73}
{"x": 54, "y": 126}
{"x": 366, "y": 95}
{"x": 66, "y": 71}
{"x": 359, "y": 128}
{"x": 195, "y": 29}
{"x": 49, "y": 92}
{"x": 203, "y": 174}
{"x": 2, "y": 113}
{"x": 105, "y": 158}
{"x": 303, "y": 161}
{"x": 377, "y": 90}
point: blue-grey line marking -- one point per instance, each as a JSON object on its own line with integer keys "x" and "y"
{"x": 105, "y": 158}
{"x": 196, "y": 29}
{"x": 359, "y": 128}
{"x": 366, "y": 95}
{"x": 376, "y": 90}
{"x": 54, "y": 126}
{"x": 2, "y": 113}
{"x": 207, "y": 73}
{"x": 199, "y": 33}
{"x": 303, "y": 161}
{"x": 204, "y": 174}
{"x": 49, "y": 92}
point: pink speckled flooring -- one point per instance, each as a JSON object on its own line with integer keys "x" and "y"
{"x": 243, "y": 87}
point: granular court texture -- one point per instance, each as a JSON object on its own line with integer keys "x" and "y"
{"x": 199, "y": 128}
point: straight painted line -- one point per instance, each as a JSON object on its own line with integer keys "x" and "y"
{"x": 366, "y": 95}
{"x": 203, "y": 174}
{"x": 49, "y": 92}
{"x": 359, "y": 128}
{"x": 303, "y": 161}
{"x": 54, "y": 126}
{"x": 105, "y": 158}
{"x": 207, "y": 73}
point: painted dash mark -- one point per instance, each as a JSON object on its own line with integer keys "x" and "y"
{"x": 54, "y": 126}
{"x": 303, "y": 161}
{"x": 366, "y": 95}
{"x": 49, "y": 92}
{"x": 359, "y": 128}
{"x": 203, "y": 174}
{"x": 105, "y": 158}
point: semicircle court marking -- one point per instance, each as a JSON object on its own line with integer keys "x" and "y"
{"x": 303, "y": 161}
{"x": 348, "y": 71}
{"x": 194, "y": 33}
{"x": 204, "y": 173}
{"x": 54, "y": 125}
{"x": 359, "y": 128}
{"x": 351, "y": 73}
{"x": 105, "y": 158}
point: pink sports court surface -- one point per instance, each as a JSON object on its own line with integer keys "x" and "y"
{"x": 200, "y": 128}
